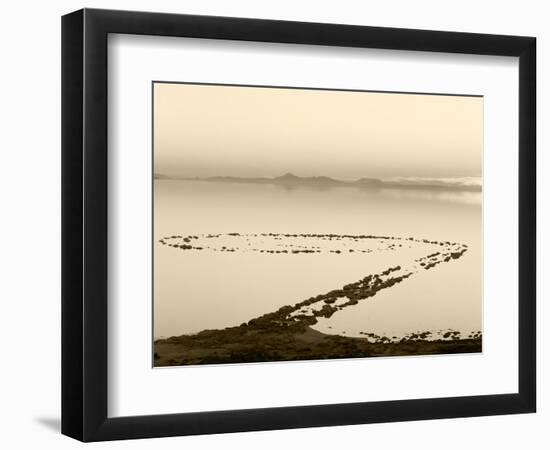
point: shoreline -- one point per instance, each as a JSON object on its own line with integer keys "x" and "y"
{"x": 254, "y": 343}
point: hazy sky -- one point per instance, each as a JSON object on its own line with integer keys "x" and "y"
{"x": 246, "y": 131}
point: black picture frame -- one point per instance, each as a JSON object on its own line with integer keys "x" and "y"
{"x": 84, "y": 224}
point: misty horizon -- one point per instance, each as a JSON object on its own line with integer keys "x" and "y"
{"x": 322, "y": 181}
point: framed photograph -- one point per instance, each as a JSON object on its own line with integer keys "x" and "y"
{"x": 272, "y": 224}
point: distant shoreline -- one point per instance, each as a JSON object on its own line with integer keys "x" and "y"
{"x": 291, "y": 180}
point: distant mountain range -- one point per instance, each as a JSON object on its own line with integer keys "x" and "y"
{"x": 291, "y": 180}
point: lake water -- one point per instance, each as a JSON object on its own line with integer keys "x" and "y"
{"x": 197, "y": 290}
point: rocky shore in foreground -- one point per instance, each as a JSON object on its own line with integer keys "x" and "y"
{"x": 253, "y": 343}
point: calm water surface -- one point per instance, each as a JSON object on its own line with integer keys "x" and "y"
{"x": 197, "y": 290}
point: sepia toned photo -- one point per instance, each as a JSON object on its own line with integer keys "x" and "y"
{"x": 307, "y": 224}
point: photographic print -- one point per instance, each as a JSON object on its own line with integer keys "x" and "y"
{"x": 307, "y": 224}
